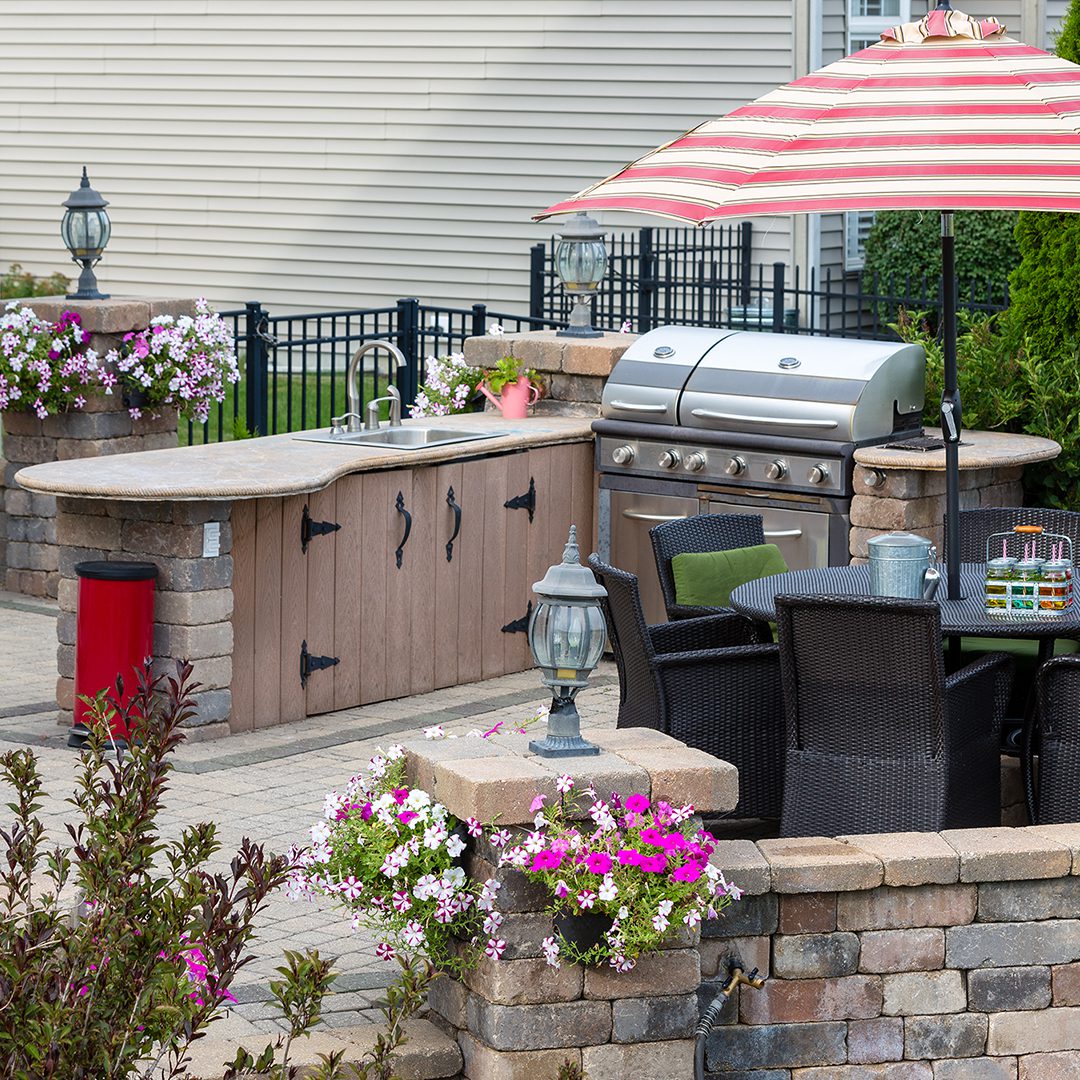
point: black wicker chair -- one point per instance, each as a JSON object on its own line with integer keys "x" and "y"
{"x": 703, "y": 532}
{"x": 1056, "y": 798}
{"x": 878, "y": 740}
{"x": 703, "y": 681}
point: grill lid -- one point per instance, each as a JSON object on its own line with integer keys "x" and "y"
{"x": 648, "y": 378}
{"x": 831, "y": 389}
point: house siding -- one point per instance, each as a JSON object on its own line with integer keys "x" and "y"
{"x": 339, "y": 153}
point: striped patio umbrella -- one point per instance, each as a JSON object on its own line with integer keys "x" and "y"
{"x": 944, "y": 114}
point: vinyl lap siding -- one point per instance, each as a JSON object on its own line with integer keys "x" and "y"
{"x": 348, "y": 152}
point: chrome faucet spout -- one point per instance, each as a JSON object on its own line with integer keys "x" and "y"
{"x": 353, "y": 394}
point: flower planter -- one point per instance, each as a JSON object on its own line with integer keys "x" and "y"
{"x": 583, "y": 930}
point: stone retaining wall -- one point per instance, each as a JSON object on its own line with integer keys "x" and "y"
{"x": 911, "y": 956}
{"x": 193, "y": 602}
{"x": 902, "y": 957}
{"x": 31, "y": 556}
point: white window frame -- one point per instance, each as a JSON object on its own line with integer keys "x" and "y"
{"x": 862, "y": 28}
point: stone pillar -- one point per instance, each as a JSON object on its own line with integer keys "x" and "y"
{"x": 574, "y": 369}
{"x": 102, "y": 427}
{"x": 193, "y": 599}
{"x": 914, "y": 501}
{"x": 905, "y": 489}
{"x": 517, "y": 1018}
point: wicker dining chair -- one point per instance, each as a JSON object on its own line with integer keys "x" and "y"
{"x": 1055, "y": 799}
{"x": 878, "y": 739}
{"x": 701, "y": 533}
{"x": 703, "y": 681}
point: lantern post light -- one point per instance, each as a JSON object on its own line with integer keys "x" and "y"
{"x": 85, "y": 230}
{"x": 566, "y": 636}
{"x": 580, "y": 261}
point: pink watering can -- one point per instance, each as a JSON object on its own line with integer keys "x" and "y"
{"x": 514, "y": 399}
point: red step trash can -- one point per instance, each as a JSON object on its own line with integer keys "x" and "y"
{"x": 114, "y": 633}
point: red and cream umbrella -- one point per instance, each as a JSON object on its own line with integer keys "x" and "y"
{"x": 944, "y": 114}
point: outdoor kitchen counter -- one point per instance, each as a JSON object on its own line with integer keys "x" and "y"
{"x": 302, "y": 577}
{"x": 978, "y": 450}
{"x": 279, "y": 465}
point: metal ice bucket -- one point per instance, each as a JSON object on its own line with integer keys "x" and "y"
{"x": 900, "y": 565}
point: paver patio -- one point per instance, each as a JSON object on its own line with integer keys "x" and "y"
{"x": 268, "y": 785}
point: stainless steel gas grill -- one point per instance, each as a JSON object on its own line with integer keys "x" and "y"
{"x": 697, "y": 420}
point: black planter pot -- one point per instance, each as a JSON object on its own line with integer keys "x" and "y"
{"x": 135, "y": 398}
{"x": 584, "y": 930}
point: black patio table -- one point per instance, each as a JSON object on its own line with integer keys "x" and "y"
{"x": 757, "y": 599}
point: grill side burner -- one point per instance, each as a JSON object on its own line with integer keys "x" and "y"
{"x": 696, "y": 420}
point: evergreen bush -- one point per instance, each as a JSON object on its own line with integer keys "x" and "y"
{"x": 1044, "y": 291}
{"x": 904, "y": 249}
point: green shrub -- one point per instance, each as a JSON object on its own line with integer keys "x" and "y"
{"x": 18, "y": 283}
{"x": 907, "y": 243}
{"x": 1044, "y": 291}
{"x": 1006, "y": 384}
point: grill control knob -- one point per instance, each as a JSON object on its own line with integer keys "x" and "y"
{"x": 696, "y": 462}
{"x": 818, "y": 474}
{"x": 670, "y": 459}
{"x": 735, "y": 466}
{"x": 776, "y": 470}
{"x": 622, "y": 455}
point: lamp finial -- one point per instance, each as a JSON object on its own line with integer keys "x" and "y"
{"x": 571, "y": 553}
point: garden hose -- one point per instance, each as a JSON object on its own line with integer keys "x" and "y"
{"x": 712, "y": 1013}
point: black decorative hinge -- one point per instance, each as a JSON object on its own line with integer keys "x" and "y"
{"x": 309, "y": 529}
{"x": 309, "y": 663}
{"x": 527, "y": 501}
{"x": 519, "y": 626}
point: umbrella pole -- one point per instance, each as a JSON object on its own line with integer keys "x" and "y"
{"x": 950, "y": 406}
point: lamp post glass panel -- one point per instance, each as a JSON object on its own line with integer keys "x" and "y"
{"x": 581, "y": 261}
{"x": 566, "y": 635}
{"x": 85, "y": 231}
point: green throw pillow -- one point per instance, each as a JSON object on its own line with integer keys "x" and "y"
{"x": 706, "y": 579}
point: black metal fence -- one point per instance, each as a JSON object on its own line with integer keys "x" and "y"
{"x": 293, "y": 366}
{"x": 656, "y": 276}
{"x": 696, "y": 277}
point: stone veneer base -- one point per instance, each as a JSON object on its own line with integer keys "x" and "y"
{"x": 909, "y": 956}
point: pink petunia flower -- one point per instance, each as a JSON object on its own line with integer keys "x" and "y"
{"x": 689, "y": 872}
{"x": 629, "y": 857}
{"x": 598, "y": 862}
{"x": 537, "y": 804}
{"x": 653, "y": 864}
{"x": 652, "y": 836}
{"x": 637, "y": 804}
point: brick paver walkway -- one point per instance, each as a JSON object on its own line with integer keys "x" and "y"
{"x": 268, "y": 785}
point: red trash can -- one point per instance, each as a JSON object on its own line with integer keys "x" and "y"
{"x": 114, "y": 633}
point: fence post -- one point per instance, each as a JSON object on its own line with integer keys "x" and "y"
{"x": 408, "y": 341}
{"x": 746, "y": 229}
{"x": 479, "y": 320}
{"x": 256, "y": 356}
{"x": 537, "y": 266}
{"x": 646, "y": 280}
{"x": 778, "y": 269}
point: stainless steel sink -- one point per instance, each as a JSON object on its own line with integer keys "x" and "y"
{"x": 398, "y": 438}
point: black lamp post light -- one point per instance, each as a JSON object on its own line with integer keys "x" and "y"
{"x": 580, "y": 261}
{"x": 85, "y": 230}
{"x": 566, "y": 635}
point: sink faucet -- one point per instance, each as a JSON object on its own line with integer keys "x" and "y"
{"x": 352, "y": 391}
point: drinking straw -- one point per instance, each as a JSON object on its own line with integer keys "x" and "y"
{"x": 1004, "y": 548}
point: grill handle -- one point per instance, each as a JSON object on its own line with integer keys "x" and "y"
{"x": 637, "y": 515}
{"x": 783, "y": 532}
{"x": 629, "y": 406}
{"x": 772, "y": 421}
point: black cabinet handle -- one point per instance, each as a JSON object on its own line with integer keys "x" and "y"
{"x": 408, "y": 527}
{"x": 452, "y": 502}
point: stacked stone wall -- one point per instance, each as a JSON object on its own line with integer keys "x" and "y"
{"x": 30, "y": 553}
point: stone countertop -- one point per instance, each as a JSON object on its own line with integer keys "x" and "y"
{"x": 978, "y": 450}
{"x": 278, "y": 464}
